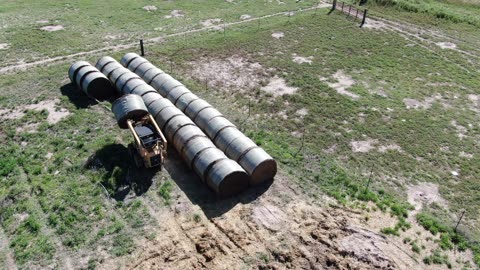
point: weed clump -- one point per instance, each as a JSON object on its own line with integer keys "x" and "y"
{"x": 165, "y": 190}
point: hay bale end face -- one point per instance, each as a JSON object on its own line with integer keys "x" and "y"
{"x": 128, "y": 107}
{"x": 91, "y": 81}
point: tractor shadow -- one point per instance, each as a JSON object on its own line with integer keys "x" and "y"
{"x": 200, "y": 194}
{"x": 120, "y": 175}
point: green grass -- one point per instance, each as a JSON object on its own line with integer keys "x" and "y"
{"x": 165, "y": 190}
{"x": 453, "y": 10}
{"x": 449, "y": 238}
{"x": 437, "y": 258}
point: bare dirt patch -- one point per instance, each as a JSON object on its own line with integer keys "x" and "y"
{"x": 11, "y": 114}
{"x": 424, "y": 194}
{"x": 301, "y": 60}
{"x": 389, "y": 147}
{"x": 245, "y": 17}
{"x": 374, "y": 24}
{"x": 176, "y": 13}
{"x": 278, "y": 87}
{"x": 302, "y": 112}
{"x": 52, "y": 28}
{"x": 461, "y": 130}
{"x": 4, "y": 46}
{"x": 234, "y": 73}
{"x": 150, "y": 8}
{"x": 367, "y": 246}
{"x": 363, "y": 146}
{"x": 368, "y": 145}
{"x": 465, "y": 155}
{"x": 343, "y": 83}
{"x": 29, "y": 128}
{"x": 411, "y": 103}
{"x": 269, "y": 216}
{"x": 212, "y": 22}
{"x": 54, "y": 114}
{"x": 446, "y": 45}
{"x": 475, "y": 100}
{"x": 278, "y": 35}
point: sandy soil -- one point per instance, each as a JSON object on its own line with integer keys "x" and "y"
{"x": 411, "y": 103}
{"x": 368, "y": 145}
{"x": 52, "y": 28}
{"x": 301, "y": 60}
{"x": 446, "y": 45}
{"x": 234, "y": 73}
{"x": 278, "y": 35}
{"x": 176, "y": 13}
{"x": 245, "y": 17}
{"x": 424, "y": 194}
{"x": 54, "y": 114}
{"x": 150, "y": 8}
{"x": 212, "y": 22}
{"x": 363, "y": 146}
{"x": 278, "y": 87}
{"x": 343, "y": 82}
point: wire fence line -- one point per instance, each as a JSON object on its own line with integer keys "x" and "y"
{"x": 158, "y": 39}
{"x": 351, "y": 10}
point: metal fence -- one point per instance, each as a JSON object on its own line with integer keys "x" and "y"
{"x": 350, "y": 10}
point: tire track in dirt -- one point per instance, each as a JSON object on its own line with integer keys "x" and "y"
{"x": 64, "y": 58}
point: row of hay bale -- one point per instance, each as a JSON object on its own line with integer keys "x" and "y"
{"x": 219, "y": 172}
{"x": 90, "y": 80}
{"x": 225, "y": 135}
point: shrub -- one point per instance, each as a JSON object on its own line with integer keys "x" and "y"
{"x": 415, "y": 248}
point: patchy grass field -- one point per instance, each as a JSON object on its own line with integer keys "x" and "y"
{"x": 383, "y": 122}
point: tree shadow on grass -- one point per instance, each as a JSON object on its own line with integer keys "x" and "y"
{"x": 200, "y": 194}
{"x": 121, "y": 175}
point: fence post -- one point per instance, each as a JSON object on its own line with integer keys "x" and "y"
{"x": 364, "y": 17}
{"x": 460, "y": 219}
{"x": 349, "y": 9}
{"x": 334, "y": 6}
{"x": 356, "y": 14}
{"x": 343, "y": 3}
{"x": 142, "y": 51}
